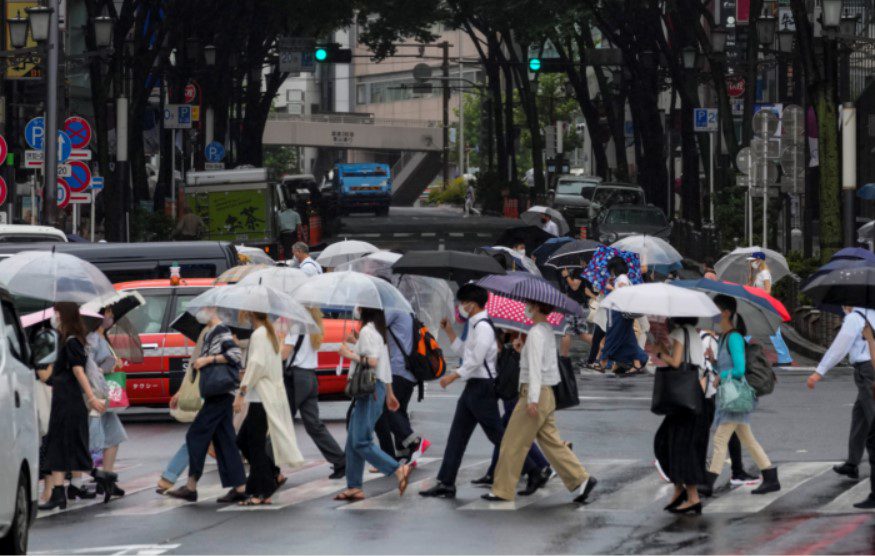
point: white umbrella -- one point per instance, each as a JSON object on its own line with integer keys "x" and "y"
{"x": 348, "y": 290}
{"x": 653, "y": 251}
{"x": 343, "y": 252}
{"x": 254, "y": 254}
{"x": 662, "y": 300}
{"x": 377, "y": 264}
{"x": 864, "y": 232}
{"x": 53, "y": 277}
{"x": 735, "y": 267}
{"x": 258, "y": 299}
{"x": 533, "y": 217}
{"x": 528, "y": 264}
{"x": 280, "y": 278}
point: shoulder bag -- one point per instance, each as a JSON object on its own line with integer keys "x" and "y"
{"x": 361, "y": 382}
{"x": 566, "y": 393}
{"x": 735, "y": 395}
{"x": 218, "y": 378}
{"x": 507, "y": 374}
{"x": 677, "y": 390}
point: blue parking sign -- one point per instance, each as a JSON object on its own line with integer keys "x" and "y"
{"x": 184, "y": 115}
{"x": 35, "y": 133}
{"x": 214, "y": 151}
{"x": 704, "y": 119}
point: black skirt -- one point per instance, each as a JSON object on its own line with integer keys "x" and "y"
{"x": 681, "y": 446}
{"x": 67, "y": 439}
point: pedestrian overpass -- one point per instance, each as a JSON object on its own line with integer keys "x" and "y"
{"x": 418, "y": 142}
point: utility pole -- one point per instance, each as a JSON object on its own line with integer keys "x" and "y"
{"x": 445, "y": 71}
{"x": 461, "y": 135}
{"x": 50, "y": 185}
{"x": 849, "y": 170}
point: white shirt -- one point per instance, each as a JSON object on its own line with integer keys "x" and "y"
{"x": 310, "y": 267}
{"x": 479, "y": 347}
{"x": 551, "y": 228}
{"x": 622, "y": 280}
{"x": 307, "y": 357}
{"x": 761, "y": 278}
{"x": 371, "y": 344}
{"x": 538, "y": 363}
{"x": 697, "y": 351}
{"x": 849, "y": 341}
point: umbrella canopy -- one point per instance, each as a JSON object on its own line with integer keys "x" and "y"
{"x": 654, "y": 252}
{"x": 853, "y": 284}
{"x": 457, "y": 266}
{"x": 761, "y": 312}
{"x": 510, "y": 314}
{"x": 510, "y": 259}
{"x": 546, "y": 249}
{"x": 522, "y": 286}
{"x": 344, "y": 251}
{"x": 662, "y": 300}
{"x": 570, "y": 254}
{"x": 281, "y": 278}
{"x": 867, "y": 192}
{"x": 596, "y": 272}
{"x": 348, "y": 290}
{"x": 853, "y": 254}
{"x": 53, "y": 277}
{"x": 533, "y": 216}
{"x": 253, "y": 255}
{"x": 259, "y": 299}
{"x": 121, "y": 303}
{"x": 377, "y": 264}
{"x": 532, "y": 236}
{"x": 189, "y": 327}
{"x": 735, "y": 267}
{"x": 864, "y": 232}
{"x": 237, "y": 273}
{"x": 92, "y": 319}
{"x": 431, "y": 298}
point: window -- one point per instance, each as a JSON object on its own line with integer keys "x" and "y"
{"x": 361, "y": 96}
{"x": 183, "y": 298}
{"x": 610, "y": 196}
{"x": 574, "y": 187}
{"x": 587, "y": 191}
{"x": 149, "y": 318}
{"x": 22, "y": 238}
{"x": 636, "y": 216}
{"x": 13, "y": 332}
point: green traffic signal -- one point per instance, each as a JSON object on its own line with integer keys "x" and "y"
{"x": 321, "y": 54}
{"x": 534, "y": 64}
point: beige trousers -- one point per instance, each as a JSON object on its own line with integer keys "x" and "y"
{"x": 521, "y": 431}
{"x": 745, "y": 435}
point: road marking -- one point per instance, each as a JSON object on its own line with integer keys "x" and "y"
{"x": 117, "y": 550}
{"x": 130, "y": 487}
{"x": 456, "y": 234}
{"x": 402, "y": 234}
{"x": 844, "y": 503}
{"x": 631, "y": 496}
{"x": 161, "y": 504}
{"x": 391, "y": 501}
{"x": 481, "y": 234}
{"x": 428, "y": 234}
{"x": 791, "y": 476}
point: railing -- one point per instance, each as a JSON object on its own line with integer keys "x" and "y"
{"x": 352, "y": 119}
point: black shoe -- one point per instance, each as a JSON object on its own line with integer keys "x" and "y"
{"x": 849, "y": 470}
{"x": 536, "y": 481}
{"x": 183, "y": 493}
{"x": 587, "y": 488}
{"x": 117, "y": 492}
{"x": 74, "y": 492}
{"x": 485, "y": 480}
{"x": 57, "y": 500}
{"x": 232, "y": 497}
{"x": 489, "y": 497}
{"x": 742, "y": 478}
{"x": 694, "y": 509}
{"x": 439, "y": 490}
{"x": 867, "y": 504}
{"x": 707, "y": 490}
{"x": 770, "y": 482}
{"x": 682, "y": 497}
{"x": 338, "y": 473}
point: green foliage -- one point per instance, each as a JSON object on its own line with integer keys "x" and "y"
{"x": 454, "y": 194}
{"x": 729, "y": 215}
{"x": 148, "y": 225}
{"x": 281, "y": 159}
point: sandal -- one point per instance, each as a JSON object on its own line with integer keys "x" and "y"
{"x": 350, "y": 495}
{"x": 281, "y": 480}
{"x": 256, "y": 501}
{"x": 404, "y": 480}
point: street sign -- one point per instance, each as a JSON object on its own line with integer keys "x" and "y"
{"x": 63, "y": 193}
{"x": 774, "y": 192}
{"x": 705, "y": 119}
{"x": 737, "y": 106}
{"x": 35, "y": 133}
{"x": 80, "y": 198}
{"x": 80, "y": 154}
{"x": 4, "y": 149}
{"x": 735, "y": 86}
{"x": 296, "y": 61}
{"x": 79, "y": 131}
{"x": 4, "y": 190}
{"x": 96, "y": 183}
{"x": 177, "y": 116}
{"x": 65, "y": 145}
{"x": 214, "y": 166}
{"x": 190, "y": 93}
{"x": 214, "y": 151}
{"x": 80, "y": 176}
{"x": 33, "y": 160}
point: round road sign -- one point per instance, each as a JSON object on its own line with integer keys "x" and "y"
{"x": 79, "y": 131}
{"x": 35, "y": 133}
{"x": 65, "y": 146}
{"x": 4, "y": 150}
{"x": 63, "y": 193}
{"x": 80, "y": 176}
{"x": 3, "y": 191}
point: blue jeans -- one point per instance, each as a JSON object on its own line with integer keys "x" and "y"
{"x": 360, "y": 445}
{"x": 177, "y": 464}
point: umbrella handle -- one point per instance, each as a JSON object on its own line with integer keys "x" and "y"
{"x": 339, "y": 370}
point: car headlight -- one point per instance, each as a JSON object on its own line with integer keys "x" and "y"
{"x": 608, "y": 238}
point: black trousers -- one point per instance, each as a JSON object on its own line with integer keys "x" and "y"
{"x": 863, "y": 413}
{"x": 477, "y": 405}
{"x": 215, "y": 423}
{"x": 393, "y": 428}
{"x": 252, "y": 441}
{"x": 287, "y": 239}
{"x": 597, "y": 336}
{"x": 302, "y": 389}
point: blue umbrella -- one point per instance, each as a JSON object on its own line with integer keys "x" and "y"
{"x": 543, "y": 251}
{"x": 854, "y": 253}
{"x": 867, "y": 192}
{"x": 523, "y": 286}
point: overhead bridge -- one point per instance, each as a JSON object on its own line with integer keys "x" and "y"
{"x": 418, "y": 143}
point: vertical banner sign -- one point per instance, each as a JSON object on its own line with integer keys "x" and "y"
{"x": 22, "y": 70}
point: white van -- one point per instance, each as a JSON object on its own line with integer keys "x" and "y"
{"x": 19, "y": 435}
{"x": 25, "y": 233}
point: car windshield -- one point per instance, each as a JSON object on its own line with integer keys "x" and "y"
{"x": 636, "y": 217}
{"x": 149, "y": 318}
{"x": 607, "y": 196}
{"x": 575, "y": 187}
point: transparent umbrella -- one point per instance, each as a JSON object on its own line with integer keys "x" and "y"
{"x": 377, "y": 264}
{"x": 348, "y": 290}
{"x": 654, "y": 251}
{"x": 53, "y": 277}
{"x": 281, "y": 278}
{"x": 343, "y": 252}
{"x": 735, "y": 266}
{"x": 259, "y": 299}
{"x": 431, "y": 298}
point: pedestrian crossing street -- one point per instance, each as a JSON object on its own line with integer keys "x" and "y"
{"x": 625, "y": 486}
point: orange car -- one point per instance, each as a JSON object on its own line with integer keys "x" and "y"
{"x": 166, "y": 352}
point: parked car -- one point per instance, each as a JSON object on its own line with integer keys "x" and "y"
{"x": 166, "y": 352}
{"x": 580, "y": 199}
{"x": 26, "y": 233}
{"x": 619, "y": 221}
{"x": 19, "y": 434}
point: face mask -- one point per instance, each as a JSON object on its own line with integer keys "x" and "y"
{"x": 55, "y": 321}
{"x": 529, "y": 312}
{"x": 357, "y": 313}
{"x": 108, "y": 322}
{"x": 462, "y": 312}
{"x": 521, "y": 250}
{"x": 754, "y": 264}
{"x": 203, "y": 316}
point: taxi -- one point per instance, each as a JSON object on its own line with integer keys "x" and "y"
{"x": 166, "y": 352}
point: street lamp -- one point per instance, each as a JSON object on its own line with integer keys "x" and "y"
{"x": 831, "y": 13}
{"x": 17, "y": 31}
{"x": 767, "y": 25}
{"x": 785, "y": 40}
{"x": 718, "y": 39}
{"x": 210, "y": 55}
{"x": 103, "y": 31}
{"x": 39, "y": 22}
{"x": 688, "y": 57}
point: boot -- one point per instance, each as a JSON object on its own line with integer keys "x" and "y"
{"x": 770, "y": 482}
{"x": 869, "y": 502}
{"x": 58, "y": 500}
{"x": 707, "y": 490}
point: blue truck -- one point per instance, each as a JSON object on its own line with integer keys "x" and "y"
{"x": 363, "y": 187}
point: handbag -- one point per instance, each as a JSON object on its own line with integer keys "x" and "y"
{"x": 565, "y": 393}
{"x": 735, "y": 396}
{"x": 217, "y": 379}
{"x": 361, "y": 382}
{"x": 117, "y": 395}
{"x": 189, "y": 394}
{"x": 507, "y": 371}
{"x": 677, "y": 390}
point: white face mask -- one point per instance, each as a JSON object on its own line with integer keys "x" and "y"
{"x": 357, "y": 313}
{"x": 203, "y": 316}
{"x": 754, "y": 264}
{"x": 529, "y": 312}
{"x": 521, "y": 250}
{"x": 462, "y": 312}
{"x": 55, "y": 321}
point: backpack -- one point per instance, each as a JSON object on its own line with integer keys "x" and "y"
{"x": 426, "y": 360}
{"x": 758, "y": 371}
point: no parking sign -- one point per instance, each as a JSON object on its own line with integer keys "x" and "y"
{"x": 80, "y": 176}
{"x": 79, "y": 131}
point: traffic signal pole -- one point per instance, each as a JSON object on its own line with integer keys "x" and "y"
{"x": 445, "y": 70}
{"x": 50, "y": 141}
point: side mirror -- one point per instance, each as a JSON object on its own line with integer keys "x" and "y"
{"x": 44, "y": 348}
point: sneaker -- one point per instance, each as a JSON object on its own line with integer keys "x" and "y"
{"x": 420, "y": 450}
{"x": 743, "y": 478}
{"x": 660, "y": 472}
{"x": 585, "y": 489}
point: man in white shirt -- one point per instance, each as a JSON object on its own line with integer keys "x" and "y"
{"x": 850, "y": 342}
{"x": 548, "y": 225}
{"x": 478, "y": 404}
{"x": 301, "y": 253}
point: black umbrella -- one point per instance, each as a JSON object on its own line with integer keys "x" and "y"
{"x": 188, "y": 326}
{"x": 852, "y": 285}
{"x": 457, "y": 266}
{"x": 504, "y": 258}
{"x": 532, "y": 236}
{"x": 571, "y": 253}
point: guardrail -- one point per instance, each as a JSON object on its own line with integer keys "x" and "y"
{"x": 352, "y": 119}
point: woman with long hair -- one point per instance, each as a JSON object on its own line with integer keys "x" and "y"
{"x": 621, "y": 352}
{"x": 370, "y": 350}
{"x": 731, "y": 363}
{"x": 67, "y": 438}
{"x": 263, "y": 388}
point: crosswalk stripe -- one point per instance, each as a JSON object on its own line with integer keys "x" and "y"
{"x": 791, "y": 476}
{"x": 631, "y": 496}
{"x": 130, "y": 487}
{"x": 844, "y": 503}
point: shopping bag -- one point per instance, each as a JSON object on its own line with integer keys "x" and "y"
{"x": 189, "y": 394}
{"x": 117, "y": 396}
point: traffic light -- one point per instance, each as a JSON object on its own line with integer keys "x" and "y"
{"x": 534, "y": 65}
{"x": 546, "y": 65}
{"x": 332, "y": 54}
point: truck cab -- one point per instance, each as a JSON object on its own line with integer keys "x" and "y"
{"x": 363, "y": 187}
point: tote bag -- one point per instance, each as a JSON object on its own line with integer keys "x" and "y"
{"x": 565, "y": 392}
{"x": 677, "y": 390}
